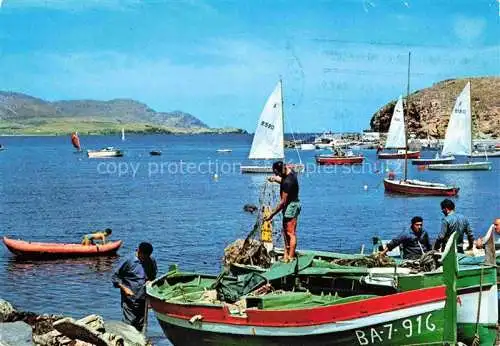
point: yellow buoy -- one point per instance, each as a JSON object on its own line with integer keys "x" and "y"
{"x": 266, "y": 230}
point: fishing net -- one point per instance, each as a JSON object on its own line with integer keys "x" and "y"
{"x": 370, "y": 261}
{"x": 252, "y": 250}
{"x": 426, "y": 263}
{"x": 247, "y": 251}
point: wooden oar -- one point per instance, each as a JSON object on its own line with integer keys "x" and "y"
{"x": 145, "y": 326}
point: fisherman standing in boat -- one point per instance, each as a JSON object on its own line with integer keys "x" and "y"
{"x": 414, "y": 243}
{"x": 488, "y": 242}
{"x": 289, "y": 204}
{"x": 131, "y": 278}
{"x": 453, "y": 222}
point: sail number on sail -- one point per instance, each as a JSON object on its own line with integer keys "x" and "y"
{"x": 409, "y": 327}
{"x": 266, "y": 124}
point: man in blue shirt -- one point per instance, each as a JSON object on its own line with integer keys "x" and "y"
{"x": 453, "y": 222}
{"x": 414, "y": 243}
{"x": 131, "y": 278}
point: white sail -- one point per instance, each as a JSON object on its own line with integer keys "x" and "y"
{"x": 123, "y": 134}
{"x": 396, "y": 137}
{"x": 458, "y": 138}
{"x": 268, "y": 138}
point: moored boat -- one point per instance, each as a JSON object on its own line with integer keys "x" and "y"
{"x": 105, "y": 152}
{"x": 397, "y": 139}
{"x": 155, "y": 153}
{"x": 419, "y": 188}
{"x": 485, "y": 154}
{"x": 297, "y": 167}
{"x": 458, "y": 137}
{"x": 27, "y": 249}
{"x": 268, "y": 140}
{"x": 224, "y": 150}
{"x": 339, "y": 160}
{"x": 433, "y": 161}
{"x": 400, "y": 154}
{"x": 469, "y": 166}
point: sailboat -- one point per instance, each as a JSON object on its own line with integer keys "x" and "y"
{"x": 407, "y": 186}
{"x": 396, "y": 137}
{"x": 75, "y": 140}
{"x": 268, "y": 140}
{"x": 123, "y": 134}
{"x": 458, "y": 138}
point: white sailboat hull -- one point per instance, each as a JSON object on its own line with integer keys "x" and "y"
{"x": 104, "y": 153}
{"x": 485, "y": 154}
{"x": 470, "y": 166}
{"x": 269, "y": 169}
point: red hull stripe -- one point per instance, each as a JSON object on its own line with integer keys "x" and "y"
{"x": 303, "y": 317}
{"x": 339, "y": 160}
{"x": 419, "y": 190}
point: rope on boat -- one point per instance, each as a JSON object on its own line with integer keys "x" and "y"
{"x": 477, "y": 340}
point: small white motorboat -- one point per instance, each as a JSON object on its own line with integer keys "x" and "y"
{"x": 105, "y": 152}
{"x": 224, "y": 150}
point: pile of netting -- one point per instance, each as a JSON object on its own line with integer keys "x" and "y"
{"x": 368, "y": 261}
{"x": 251, "y": 250}
{"x": 426, "y": 263}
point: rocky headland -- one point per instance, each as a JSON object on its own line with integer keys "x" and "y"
{"x": 430, "y": 108}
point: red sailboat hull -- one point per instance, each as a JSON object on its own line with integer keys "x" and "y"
{"x": 339, "y": 160}
{"x": 410, "y": 187}
{"x": 395, "y": 156}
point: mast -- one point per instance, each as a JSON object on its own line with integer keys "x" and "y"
{"x": 407, "y": 116}
{"x": 282, "y": 116}
{"x": 470, "y": 112}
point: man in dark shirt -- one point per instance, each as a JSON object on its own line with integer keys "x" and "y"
{"x": 131, "y": 278}
{"x": 453, "y": 222}
{"x": 289, "y": 204}
{"x": 414, "y": 243}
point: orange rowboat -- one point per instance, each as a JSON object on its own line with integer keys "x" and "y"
{"x": 23, "y": 248}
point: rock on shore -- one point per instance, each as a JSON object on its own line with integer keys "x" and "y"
{"x": 19, "y": 328}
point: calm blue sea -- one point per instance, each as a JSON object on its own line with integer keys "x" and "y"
{"x": 50, "y": 193}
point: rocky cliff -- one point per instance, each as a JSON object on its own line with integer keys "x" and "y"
{"x": 430, "y": 108}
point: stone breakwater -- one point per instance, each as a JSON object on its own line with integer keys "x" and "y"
{"x": 20, "y": 328}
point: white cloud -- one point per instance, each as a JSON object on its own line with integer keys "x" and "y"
{"x": 469, "y": 29}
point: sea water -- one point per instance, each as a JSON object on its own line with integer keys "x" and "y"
{"x": 188, "y": 203}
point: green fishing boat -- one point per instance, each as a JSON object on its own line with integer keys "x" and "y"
{"x": 276, "y": 308}
{"x": 477, "y": 290}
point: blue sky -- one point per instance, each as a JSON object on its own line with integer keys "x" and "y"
{"x": 340, "y": 60}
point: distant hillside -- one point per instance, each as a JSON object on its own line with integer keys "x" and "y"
{"x": 430, "y": 108}
{"x": 24, "y": 114}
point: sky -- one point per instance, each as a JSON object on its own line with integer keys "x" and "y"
{"x": 340, "y": 60}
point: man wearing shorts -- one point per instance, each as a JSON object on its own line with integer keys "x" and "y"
{"x": 289, "y": 204}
